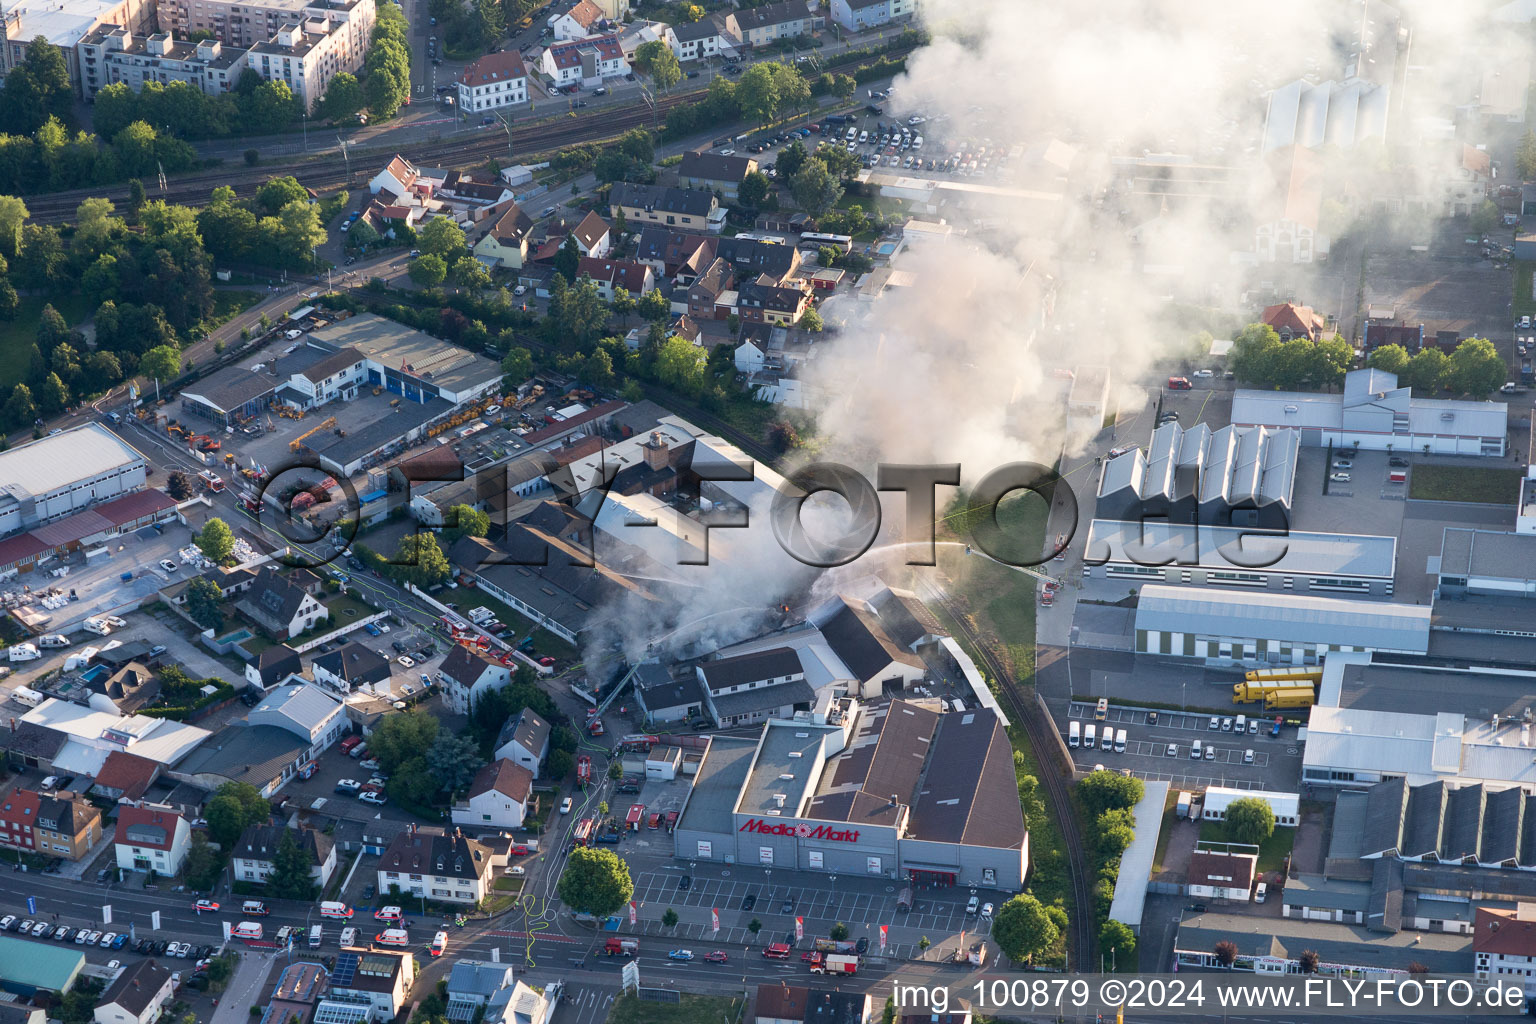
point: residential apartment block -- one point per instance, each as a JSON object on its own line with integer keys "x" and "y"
{"x": 64, "y": 23}
{"x": 115, "y": 54}
{"x": 585, "y": 61}
{"x": 857, "y": 15}
{"x": 495, "y": 80}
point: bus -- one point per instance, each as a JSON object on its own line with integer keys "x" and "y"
{"x": 583, "y": 833}
{"x": 817, "y": 239}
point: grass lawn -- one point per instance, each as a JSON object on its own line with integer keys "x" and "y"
{"x": 1272, "y": 852}
{"x": 1004, "y": 597}
{"x": 692, "y": 1009}
{"x": 228, "y": 304}
{"x": 1170, "y": 819}
{"x": 17, "y": 336}
{"x": 340, "y": 604}
{"x": 257, "y": 643}
{"x": 1465, "y": 483}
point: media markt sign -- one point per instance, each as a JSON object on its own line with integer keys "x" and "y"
{"x": 802, "y": 830}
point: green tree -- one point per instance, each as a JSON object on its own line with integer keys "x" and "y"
{"x": 665, "y": 70}
{"x": 203, "y": 864}
{"x": 595, "y": 881}
{"x": 420, "y": 561}
{"x": 1254, "y": 350}
{"x": 136, "y": 199}
{"x": 204, "y": 598}
{"x": 160, "y": 363}
{"x": 810, "y": 320}
{"x": 1389, "y": 359}
{"x": 1118, "y": 942}
{"x": 1485, "y": 218}
{"x": 1427, "y": 372}
{"x": 754, "y": 189}
{"x": 840, "y": 163}
{"x": 815, "y": 189}
{"x": 292, "y": 864}
{"x": 442, "y": 237}
{"x": 754, "y": 926}
{"x": 13, "y": 214}
{"x": 101, "y": 279}
{"x": 53, "y": 396}
{"x": 469, "y": 272}
{"x": 466, "y": 521}
{"x": 583, "y": 314}
{"x": 680, "y": 365}
{"x": 344, "y": 97}
{"x": 844, "y": 86}
{"x": 559, "y": 764}
{"x": 453, "y": 761}
{"x": 234, "y": 807}
{"x": 838, "y": 932}
{"x": 597, "y": 370}
{"x": 95, "y": 225}
{"x": 1105, "y": 790}
{"x": 1525, "y": 156}
{"x": 397, "y": 738}
{"x": 36, "y": 89}
{"x": 669, "y": 919}
{"x": 1226, "y": 953}
{"x": 277, "y": 193}
{"x": 216, "y": 540}
{"x": 567, "y": 259}
{"x": 298, "y": 233}
{"x": 179, "y": 486}
{"x": 1476, "y": 367}
{"x": 647, "y": 52}
{"x": 428, "y": 270}
{"x": 791, "y": 158}
{"x": 517, "y": 365}
{"x": 52, "y": 329}
{"x": 757, "y": 93}
{"x": 1022, "y": 928}
{"x": 491, "y": 21}
{"x": 653, "y": 305}
{"x": 623, "y": 305}
{"x": 1250, "y": 819}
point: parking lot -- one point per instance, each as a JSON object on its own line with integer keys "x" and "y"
{"x": 1162, "y": 751}
{"x": 861, "y": 904}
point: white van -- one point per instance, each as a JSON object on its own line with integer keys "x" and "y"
{"x": 97, "y": 626}
{"x": 316, "y": 935}
{"x": 1090, "y": 736}
{"x": 23, "y": 652}
{"x": 348, "y": 937}
{"x": 1240, "y": 724}
{"x": 1109, "y": 738}
{"x": 53, "y": 640}
{"x": 393, "y": 937}
{"x": 1119, "y": 741}
{"x": 249, "y": 930}
{"x": 1074, "y": 734}
{"x": 1195, "y": 752}
{"x": 1260, "y": 892}
{"x": 338, "y": 910}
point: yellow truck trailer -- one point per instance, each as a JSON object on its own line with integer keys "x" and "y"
{"x": 1289, "y": 697}
{"x": 1279, "y": 675}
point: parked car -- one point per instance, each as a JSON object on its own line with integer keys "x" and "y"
{"x": 1339, "y": 478}
{"x": 348, "y": 785}
{"x": 680, "y": 954}
{"x": 749, "y": 901}
{"x": 168, "y": 565}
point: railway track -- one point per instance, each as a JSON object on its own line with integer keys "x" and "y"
{"x": 1081, "y": 940}
{"x": 323, "y": 173}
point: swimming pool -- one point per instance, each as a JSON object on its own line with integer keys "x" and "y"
{"x": 95, "y": 672}
{"x": 885, "y": 249}
{"x": 236, "y": 637}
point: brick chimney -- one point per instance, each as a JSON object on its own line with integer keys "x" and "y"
{"x": 655, "y": 451}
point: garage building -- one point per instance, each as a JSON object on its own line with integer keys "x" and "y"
{"x": 1284, "y": 629}
{"x": 1487, "y": 562}
{"x": 892, "y": 790}
{"x": 58, "y": 475}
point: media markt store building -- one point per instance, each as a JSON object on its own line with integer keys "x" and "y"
{"x": 864, "y": 791}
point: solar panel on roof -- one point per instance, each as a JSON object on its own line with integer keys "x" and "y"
{"x": 346, "y": 969}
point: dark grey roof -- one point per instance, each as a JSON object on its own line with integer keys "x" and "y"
{"x": 133, "y": 650}
{"x": 772, "y": 14}
{"x": 256, "y": 754}
{"x": 861, "y": 643}
{"x": 1385, "y": 911}
{"x": 1320, "y": 892}
{"x": 331, "y": 363}
{"x": 704, "y": 28}
{"x": 1463, "y": 831}
{"x": 273, "y": 601}
{"x": 28, "y": 739}
{"x": 659, "y": 691}
{"x": 687, "y": 201}
{"x": 756, "y": 255}
{"x": 745, "y": 669}
{"x": 529, "y": 730}
{"x": 764, "y": 698}
{"x": 465, "y": 666}
{"x": 1258, "y": 936}
{"x": 714, "y": 167}
{"x": 1385, "y": 808}
{"x": 135, "y": 989}
{"x": 231, "y": 388}
{"x": 1426, "y": 816}
{"x": 1528, "y": 833}
{"x": 881, "y": 769}
{"x": 1461, "y": 881}
{"x": 421, "y": 852}
{"x": 1502, "y": 818}
{"x": 355, "y": 663}
{"x": 968, "y": 792}
{"x": 276, "y": 662}
{"x": 260, "y": 842}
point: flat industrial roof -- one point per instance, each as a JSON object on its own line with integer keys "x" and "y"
{"x": 391, "y": 423}
{"x": 1237, "y": 549}
{"x": 53, "y": 463}
{"x": 712, "y": 801}
{"x": 1488, "y": 553}
{"x": 1344, "y": 944}
{"x": 155, "y": 738}
{"x": 1136, "y": 862}
{"x": 788, "y": 761}
{"x": 1266, "y": 615}
{"x": 1364, "y": 683}
{"x": 232, "y": 387}
{"x": 410, "y": 351}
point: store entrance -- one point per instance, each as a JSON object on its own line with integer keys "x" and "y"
{"x": 931, "y": 879}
